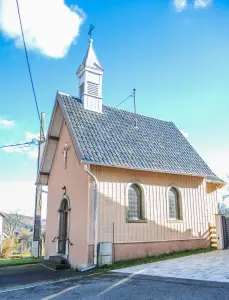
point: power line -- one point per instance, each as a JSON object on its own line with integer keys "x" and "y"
{"x": 28, "y": 64}
{"x": 22, "y": 145}
{"x": 124, "y": 100}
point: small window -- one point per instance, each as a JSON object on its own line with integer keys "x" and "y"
{"x": 134, "y": 203}
{"x": 174, "y": 204}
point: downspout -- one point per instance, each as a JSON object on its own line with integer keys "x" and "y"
{"x": 95, "y": 219}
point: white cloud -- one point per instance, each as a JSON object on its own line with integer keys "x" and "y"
{"x": 180, "y": 4}
{"x": 30, "y": 136}
{"x": 31, "y": 151}
{"x": 185, "y": 134}
{"x": 6, "y": 123}
{"x": 50, "y": 26}
{"x": 20, "y": 195}
{"x": 13, "y": 149}
{"x": 202, "y": 3}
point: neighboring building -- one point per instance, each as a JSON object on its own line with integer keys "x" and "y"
{"x": 155, "y": 193}
{"x": 2, "y": 216}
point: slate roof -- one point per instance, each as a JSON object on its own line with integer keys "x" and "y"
{"x": 214, "y": 179}
{"x": 111, "y": 138}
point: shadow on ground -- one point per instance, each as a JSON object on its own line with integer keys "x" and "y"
{"x": 31, "y": 274}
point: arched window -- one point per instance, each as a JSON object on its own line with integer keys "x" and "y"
{"x": 135, "y": 211}
{"x": 174, "y": 204}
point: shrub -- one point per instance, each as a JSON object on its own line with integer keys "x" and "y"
{"x": 8, "y": 246}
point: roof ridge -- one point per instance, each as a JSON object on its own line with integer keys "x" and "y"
{"x": 120, "y": 109}
{"x": 115, "y": 108}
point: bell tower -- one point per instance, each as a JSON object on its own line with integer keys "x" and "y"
{"x": 90, "y": 75}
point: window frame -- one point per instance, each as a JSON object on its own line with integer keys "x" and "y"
{"x": 179, "y": 204}
{"x": 142, "y": 204}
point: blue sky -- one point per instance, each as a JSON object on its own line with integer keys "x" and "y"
{"x": 175, "y": 53}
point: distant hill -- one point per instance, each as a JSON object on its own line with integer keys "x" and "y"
{"x": 24, "y": 222}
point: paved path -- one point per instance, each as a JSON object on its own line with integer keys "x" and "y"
{"x": 212, "y": 266}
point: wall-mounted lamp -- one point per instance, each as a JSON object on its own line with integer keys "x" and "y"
{"x": 64, "y": 189}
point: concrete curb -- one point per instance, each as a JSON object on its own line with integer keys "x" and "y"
{"x": 22, "y": 264}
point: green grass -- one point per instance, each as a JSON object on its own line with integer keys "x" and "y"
{"x": 146, "y": 260}
{"x": 4, "y": 262}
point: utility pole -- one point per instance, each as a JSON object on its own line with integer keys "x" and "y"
{"x": 134, "y": 95}
{"x": 36, "y": 247}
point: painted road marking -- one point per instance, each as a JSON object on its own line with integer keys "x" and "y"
{"x": 61, "y": 293}
{"x": 122, "y": 281}
{"x": 41, "y": 283}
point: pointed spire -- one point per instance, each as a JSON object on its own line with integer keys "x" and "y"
{"x": 90, "y": 59}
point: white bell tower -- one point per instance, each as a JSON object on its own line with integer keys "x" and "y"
{"x": 90, "y": 75}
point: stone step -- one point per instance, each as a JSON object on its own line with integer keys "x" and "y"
{"x": 56, "y": 266}
{"x": 58, "y": 259}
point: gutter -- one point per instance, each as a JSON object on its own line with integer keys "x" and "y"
{"x": 95, "y": 218}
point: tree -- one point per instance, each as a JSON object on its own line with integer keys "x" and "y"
{"x": 222, "y": 206}
{"x": 11, "y": 222}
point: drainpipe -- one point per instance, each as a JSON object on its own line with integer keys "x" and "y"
{"x": 95, "y": 218}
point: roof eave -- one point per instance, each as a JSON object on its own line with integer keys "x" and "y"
{"x": 3, "y": 215}
{"x": 70, "y": 129}
{"x": 44, "y": 170}
{"x": 141, "y": 169}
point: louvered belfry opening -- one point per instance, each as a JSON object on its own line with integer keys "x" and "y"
{"x": 93, "y": 89}
{"x": 81, "y": 89}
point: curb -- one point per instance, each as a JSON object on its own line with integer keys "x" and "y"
{"x": 19, "y": 264}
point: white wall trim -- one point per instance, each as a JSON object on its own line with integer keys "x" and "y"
{"x": 181, "y": 199}
{"x": 144, "y": 196}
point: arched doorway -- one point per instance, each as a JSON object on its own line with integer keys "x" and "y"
{"x": 63, "y": 226}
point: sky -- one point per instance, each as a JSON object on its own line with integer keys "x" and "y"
{"x": 175, "y": 53}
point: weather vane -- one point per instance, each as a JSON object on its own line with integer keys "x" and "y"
{"x": 92, "y": 27}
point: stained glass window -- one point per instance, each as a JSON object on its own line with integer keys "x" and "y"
{"x": 134, "y": 202}
{"x": 173, "y": 204}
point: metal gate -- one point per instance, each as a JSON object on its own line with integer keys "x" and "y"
{"x": 225, "y": 223}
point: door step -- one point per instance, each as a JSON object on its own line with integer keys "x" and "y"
{"x": 58, "y": 259}
{"x": 56, "y": 263}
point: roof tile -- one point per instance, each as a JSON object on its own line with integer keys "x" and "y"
{"x": 111, "y": 138}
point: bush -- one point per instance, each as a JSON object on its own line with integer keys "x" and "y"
{"x": 8, "y": 246}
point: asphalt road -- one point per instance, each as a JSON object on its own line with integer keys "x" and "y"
{"x": 119, "y": 286}
{"x": 29, "y": 274}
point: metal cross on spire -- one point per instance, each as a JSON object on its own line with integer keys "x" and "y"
{"x": 92, "y": 27}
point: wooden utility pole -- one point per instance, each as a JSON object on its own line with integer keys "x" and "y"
{"x": 36, "y": 248}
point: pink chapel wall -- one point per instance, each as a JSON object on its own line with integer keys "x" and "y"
{"x": 76, "y": 181}
{"x": 158, "y": 234}
{"x": 131, "y": 240}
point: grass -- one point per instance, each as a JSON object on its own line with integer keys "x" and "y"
{"x": 4, "y": 262}
{"x": 118, "y": 265}
{"x": 146, "y": 260}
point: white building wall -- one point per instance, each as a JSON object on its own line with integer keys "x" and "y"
{"x": 1, "y": 233}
